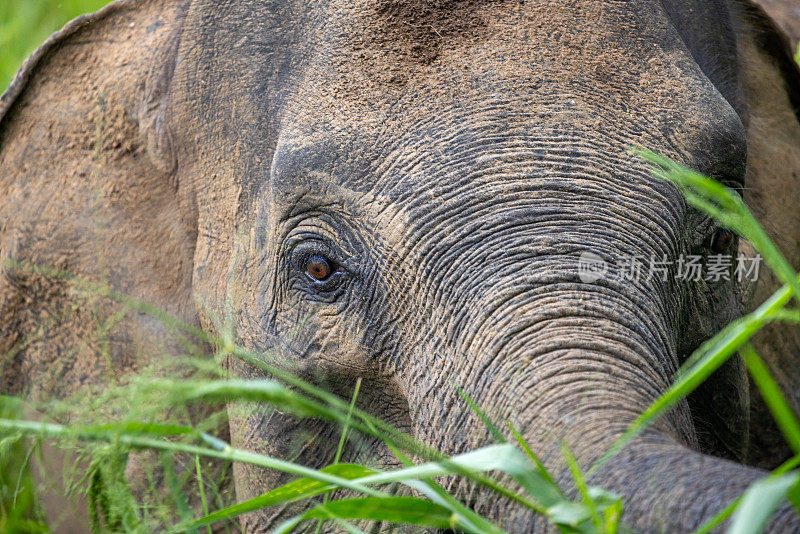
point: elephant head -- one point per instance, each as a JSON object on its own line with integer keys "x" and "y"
{"x": 406, "y": 192}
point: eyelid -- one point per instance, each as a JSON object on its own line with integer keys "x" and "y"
{"x": 299, "y": 248}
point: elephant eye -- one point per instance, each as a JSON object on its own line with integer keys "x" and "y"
{"x": 721, "y": 240}
{"x": 319, "y": 268}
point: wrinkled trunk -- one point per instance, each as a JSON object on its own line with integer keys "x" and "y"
{"x": 575, "y": 363}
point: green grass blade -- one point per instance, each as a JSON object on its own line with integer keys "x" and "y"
{"x": 288, "y": 525}
{"x": 140, "y": 428}
{"x": 794, "y": 497}
{"x": 503, "y": 457}
{"x": 727, "y": 207}
{"x": 291, "y": 492}
{"x": 347, "y": 421}
{"x": 176, "y": 491}
{"x": 539, "y": 484}
{"x": 468, "y": 518}
{"x": 720, "y": 518}
{"x": 406, "y": 510}
{"x": 580, "y": 483}
{"x": 601, "y": 507}
{"x": 726, "y": 512}
{"x": 201, "y": 488}
{"x": 481, "y": 415}
{"x": 707, "y": 359}
{"x": 791, "y": 316}
{"x": 465, "y": 518}
{"x": 778, "y": 406}
{"x": 759, "y": 502}
{"x": 611, "y": 505}
{"x": 342, "y": 438}
{"x": 571, "y": 517}
{"x": 264, "y": 391}
{"x": 352, "y": 529}
{"x": 228, "y": 453}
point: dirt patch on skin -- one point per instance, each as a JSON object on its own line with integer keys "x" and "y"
{"x": 416, "y": 31}
{"x": 385, "y": 44}
{"x": 388, "y": 66}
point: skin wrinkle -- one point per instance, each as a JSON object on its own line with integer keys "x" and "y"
{"x": 576, "y": 247}
{"x": 566, "y": 267}
{"x": 466, "y": 179}
{"x": 550, "y": 340}
{"x": 541, "y": 323}
{"x": 549, "y": 222}
{"x": 485, "y": 248}
{"x": 556, "y": 296}
{"x": 579, "y": 199}
{"x": 609, "y": 395}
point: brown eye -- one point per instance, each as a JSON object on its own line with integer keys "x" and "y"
{"x": 318, "y": 268}
{"x": 721, "y": 240}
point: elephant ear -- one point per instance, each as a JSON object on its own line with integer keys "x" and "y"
{"x": 771, "y": 85}
{"x": 88, "y": 202}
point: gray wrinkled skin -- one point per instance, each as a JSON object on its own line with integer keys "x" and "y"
{"x": 453, "y": 159}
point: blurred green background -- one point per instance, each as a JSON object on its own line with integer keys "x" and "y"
{"x": 25, "y": 24}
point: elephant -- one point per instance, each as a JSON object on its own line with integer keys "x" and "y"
{"x": 402, "y": 192}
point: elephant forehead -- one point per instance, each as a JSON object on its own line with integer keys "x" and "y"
{"x": 520, "y": 93}
{"x": 383, "y": 46}
{"x": 613, "y": 68}
{"x": 353, "y": 54}
{"x": 490, "y": 178}
{"x": 516, "y": 146}
{"x": 389, "y": 67}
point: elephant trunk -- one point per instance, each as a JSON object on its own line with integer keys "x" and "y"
{"x": 575, "y": 362}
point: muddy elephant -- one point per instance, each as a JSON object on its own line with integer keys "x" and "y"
{"x": 402, "y": 191}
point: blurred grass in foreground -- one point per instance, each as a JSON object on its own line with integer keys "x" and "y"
{"x": 25, "y": 24}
